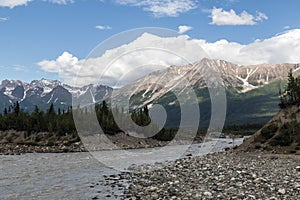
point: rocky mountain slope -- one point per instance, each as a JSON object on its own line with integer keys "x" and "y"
{"x": 252, "y": 91}
{"x": 197, "y": 75}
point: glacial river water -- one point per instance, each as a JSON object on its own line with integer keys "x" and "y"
{"x": 71, "y": 175}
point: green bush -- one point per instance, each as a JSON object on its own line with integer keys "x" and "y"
{"x": 266, "y": 133}
{"x": 51, "y": 142}
{"x": 269, "y": 131}
{"x": 283, "y": 138}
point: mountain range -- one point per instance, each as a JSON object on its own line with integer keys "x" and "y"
{"x": 251, "y": 91}
{"x": 45, "y": 92}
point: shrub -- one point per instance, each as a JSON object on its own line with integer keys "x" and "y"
{"x": 269, "y": 131}
{"x": 266, "y": 133}
{"x": 51, "y": 141}
{"x": 283, "y": 138}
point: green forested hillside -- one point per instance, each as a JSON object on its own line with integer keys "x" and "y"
{"x": 254, "y": 107}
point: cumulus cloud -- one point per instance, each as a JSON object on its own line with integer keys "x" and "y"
{"x": 101, "y": 27}
{"x": 14, "y": 3}
{"x": 131, "y": 60}
{"x": 66, "y": 60}
{"x": 162, "y": 8}
{"x": 222, "y": 17}
{"x": 282, "y": 48}
{"x": 128, "y": 62}
{"x": 183, "y": 29}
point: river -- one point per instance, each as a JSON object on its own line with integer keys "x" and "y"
{"x": 77, "y": 175}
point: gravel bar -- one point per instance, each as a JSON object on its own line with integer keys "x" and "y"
{"x": 226, "y": 175}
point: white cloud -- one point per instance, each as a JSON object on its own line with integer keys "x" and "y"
{"x": 142, "y": 56}
{"x": 64, "y": 61}
{"x": 283, "y": 48}
{"x": 3, "y": 19}
{"x": 261, "y": 16}
{"x": 183, "y": 29}
{"x": 101, "y": 27}
{"x": 287, "y": 27}
{"x": 162, "y": 8}
{"x": 13, "y": 3}
{"x": 61, "y": 2}
{"x": 221, "y": 17}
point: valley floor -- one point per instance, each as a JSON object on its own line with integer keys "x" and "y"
{"x": 226, "y": 175}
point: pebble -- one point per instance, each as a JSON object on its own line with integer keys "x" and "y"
{"x": 226, "y": 175}
{"x": 207, "y": 193}
{"x": 281, "y": 191}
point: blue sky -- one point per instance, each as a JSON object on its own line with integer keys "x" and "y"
{"x": 32, "y": 31}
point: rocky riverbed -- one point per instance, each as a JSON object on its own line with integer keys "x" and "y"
{"x": 226, "y": 175}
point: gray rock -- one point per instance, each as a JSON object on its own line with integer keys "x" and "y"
{"x": 281, "y": 191}
{"x": 207, "y": 193}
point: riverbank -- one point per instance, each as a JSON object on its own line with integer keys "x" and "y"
{"x": 226, "y": 175}
{"x": 12, "y": 142}
{"x": 17, "y": 142}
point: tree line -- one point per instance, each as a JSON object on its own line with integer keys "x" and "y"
{"x": 15, "y": 118}
{"x": 61, "y": 123}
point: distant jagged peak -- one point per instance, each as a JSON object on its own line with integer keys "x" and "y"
{"x": 215, "y": 61}
{"x": 11, "y": 83}
{"x": 46, "y": 82}
{"x": 221, "y": 62}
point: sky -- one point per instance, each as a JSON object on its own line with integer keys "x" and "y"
{"x": 53, "y": 38}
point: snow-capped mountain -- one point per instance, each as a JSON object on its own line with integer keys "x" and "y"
{"x": 199, "y": 75}
{"x": 44, "y": 92}
{"x": 251, "y": 91}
